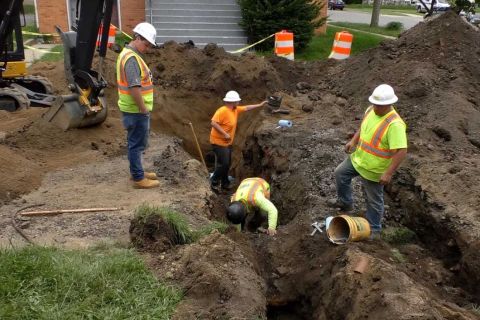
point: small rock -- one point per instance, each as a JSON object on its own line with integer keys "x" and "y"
{"x": 304, "y": 86}
{"x": 3, "y": 136}
{"x": 24, "y": 225}
{"x": 94, "y": 145}
{"x": 307, "y": 108}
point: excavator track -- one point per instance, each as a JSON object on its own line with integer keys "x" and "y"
{"x": 36, "y": 84}
{"x": 12, "y": 99}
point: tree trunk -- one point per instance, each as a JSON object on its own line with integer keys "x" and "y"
{"x": 375, "y": 13}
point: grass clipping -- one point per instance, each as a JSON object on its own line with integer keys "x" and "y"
{"x": 163, "y": 227}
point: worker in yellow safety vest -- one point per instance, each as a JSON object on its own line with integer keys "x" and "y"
{"x": 135, "y": 100}
{"x": 376, "y": 150}
{"x": 253, "y": 196}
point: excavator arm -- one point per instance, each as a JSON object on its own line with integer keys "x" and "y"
{"x": 86, "y": 105}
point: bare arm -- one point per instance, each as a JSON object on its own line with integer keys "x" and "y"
{"x": 254, "y": 106}
{"x": 397, "y": 159}
{"x": 136, "y": 94}
{"x": 350, "y": 146}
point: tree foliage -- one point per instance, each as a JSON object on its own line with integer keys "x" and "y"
{"x": 261, "y": 18}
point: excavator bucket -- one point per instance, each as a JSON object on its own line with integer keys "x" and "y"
{"x": 68, "y": 112}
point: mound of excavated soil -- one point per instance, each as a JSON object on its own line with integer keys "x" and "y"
{"x": 434, "y": 68}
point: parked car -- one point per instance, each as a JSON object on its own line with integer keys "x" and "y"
{"x": 473, "y": 18}
{"x": 336, "y": 4}
{"x": 439, "y": 5}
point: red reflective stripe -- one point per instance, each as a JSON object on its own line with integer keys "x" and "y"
{"x": 382, "y": 153}
{"x": 257, "y": 183}
{"x": 382, "y": 128}
{"x": 251, "y": 193}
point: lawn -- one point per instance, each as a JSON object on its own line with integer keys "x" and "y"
{"x": 365, "y": 27}
{"x": 385, "y": 9}
{"x": 49, "y": 283}
{"x": 321, "y": 46}
{"x": 55, "y": 54}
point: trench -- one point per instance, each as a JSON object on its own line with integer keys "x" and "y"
{"x": 292, "y": 296}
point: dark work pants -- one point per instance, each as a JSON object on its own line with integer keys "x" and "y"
{"x": 224, "y": 158}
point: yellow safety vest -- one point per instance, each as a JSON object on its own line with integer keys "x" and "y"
{"x": 125, "y": 99}
{"x": 249, "y": 189}
{"x": 372, "y": 152}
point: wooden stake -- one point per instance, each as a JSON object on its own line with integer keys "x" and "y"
{"x": 54, "y": 212}
{"x": 198, "y": 145}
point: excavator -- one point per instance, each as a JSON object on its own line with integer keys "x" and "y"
{"x": 86, "y": 105}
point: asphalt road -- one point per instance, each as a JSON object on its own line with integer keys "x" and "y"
{"x": 362, "y": 17}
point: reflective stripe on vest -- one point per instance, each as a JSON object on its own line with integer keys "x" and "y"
{"x": 373, "y": 147}
{"x": 145, "y": 74}
{"x": 253, "y": 185}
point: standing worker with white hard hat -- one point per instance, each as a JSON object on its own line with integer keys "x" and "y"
{"x": 376, "y": 150}
{"x": 224, "y": 125}
{"x": 135, "y": 100}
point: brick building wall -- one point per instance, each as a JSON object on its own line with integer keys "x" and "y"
{"x": 132, "y": 12}
{"x": 51, "y": 13}
{"x": 54, "y": 12}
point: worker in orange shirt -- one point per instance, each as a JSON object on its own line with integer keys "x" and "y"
{"x": 224, "y": 125}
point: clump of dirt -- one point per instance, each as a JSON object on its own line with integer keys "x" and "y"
{"x": 152, "y": 233}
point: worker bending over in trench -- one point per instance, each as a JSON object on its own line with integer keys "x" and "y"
{"x": 253, "y": 197}
{"x": 135, "y": 100}
{"x": 224, "y": 125}
{"x": 376, "y": 150}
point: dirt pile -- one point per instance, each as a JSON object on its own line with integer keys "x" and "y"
{"x": 293, "y": 276}
{"x": 434, "y": 68}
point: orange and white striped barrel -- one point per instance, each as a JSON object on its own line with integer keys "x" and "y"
{"x": 284, "y": 44}
{"x": 111, "y": 35}
{"x": 342, "y": 45}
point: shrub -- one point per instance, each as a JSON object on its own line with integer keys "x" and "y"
{"x": 263, "y": 18}
{"x": 394, "y": 25}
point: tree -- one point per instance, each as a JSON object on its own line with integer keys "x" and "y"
{"x": 375, "y": 13}
{"x": 263, "y": 18}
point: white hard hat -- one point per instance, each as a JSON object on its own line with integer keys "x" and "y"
{"x": 232, "y": 96}
{"x": 383, "y": 95}
{"x": 147, "y": 31}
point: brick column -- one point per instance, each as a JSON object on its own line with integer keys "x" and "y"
{"x": 51, "y": 13}
{"x": 132, "y": 12}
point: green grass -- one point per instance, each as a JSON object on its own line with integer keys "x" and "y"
{"x": 385, "y": 9}
{"x": 398, "y": 235}
{"x": 321, "y": 45}
{"x": 53, "y": 56}
{"x": 177, "y": 222}
{"x": 365, "y": 27}
{"x": 49, "y": 283}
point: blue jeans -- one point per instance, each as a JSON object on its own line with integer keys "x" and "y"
{"x": 137, "y": 126}
{"x": 373, "y": 192}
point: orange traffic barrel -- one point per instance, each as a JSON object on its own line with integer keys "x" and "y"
{"x": 342, "y": 45}
{"x": 111, "y": 35}
{"x": 284, "y": 44}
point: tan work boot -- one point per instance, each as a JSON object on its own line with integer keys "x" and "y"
{"x": 150, "y": 175}
{"x": 145, "y": 184}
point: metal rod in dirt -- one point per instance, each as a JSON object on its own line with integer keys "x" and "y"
{"x": 51, "y": 212}
{"x": 198, "y": 145}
